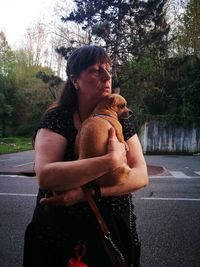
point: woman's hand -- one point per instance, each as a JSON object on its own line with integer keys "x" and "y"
{"x": 116, "y": 149}
{"x": 64, "y": 198}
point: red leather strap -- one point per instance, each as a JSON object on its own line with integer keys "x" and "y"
{"x": 116, "y": 260}
{"x": 93, "y": 206}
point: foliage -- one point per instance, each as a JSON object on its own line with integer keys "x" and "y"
{"x": 53, "y": 82}
{"x": 7, "y": 92}
{"x": 188, "y": 31}
{"x": 139, "y": 81}
{"x": 177, "y": 96}
{"x": 6, "y": 57}
{"x": 157, "y": 72}
{"x": 127, "y": 29}
{"x": 183, "y": 86}
{"x": 65, "y": 52}
{"x": 181, "y": 94}
{"x": 23, "y": 97}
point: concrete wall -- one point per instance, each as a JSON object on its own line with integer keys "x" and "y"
{"x": 163, "y": 137}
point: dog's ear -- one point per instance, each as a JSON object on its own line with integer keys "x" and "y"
{"x": 111, "y": 100}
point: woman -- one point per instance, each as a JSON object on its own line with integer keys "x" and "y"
{"x": 62, "y": 217}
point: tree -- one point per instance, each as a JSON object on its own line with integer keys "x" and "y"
{"x": 34, "y": 94}
{"x": 6, "y": 109}
{"x": 23, "y": 97}
{"x": 6, "y": 56}
{"x": 35, "y": 43}
{"x": 188, "y": 31}
{"x": 68, "y": 35}
{"x": 53, "y": 82}
{"x": 126, "y": 28}
{"x": 7, "y": 93}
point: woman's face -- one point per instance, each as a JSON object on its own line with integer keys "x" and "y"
{"x": 95, "y": 81}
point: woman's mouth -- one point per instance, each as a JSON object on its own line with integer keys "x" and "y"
{"x": 106, "y": 87}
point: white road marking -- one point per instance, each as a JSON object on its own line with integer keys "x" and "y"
{"x": 16, "y": 176}
{"x": 150, "y": 177}
{"x": 178, "y": 174}
{"x": 160, "y": 176}
{"x": 198, "y": 172}
{"x": 7, "y": 159}
{"x": 142, "y": 198}
{"x": 28, "y": 163}
{"x": 169, "y": 198}
{"x": 18, "y": 194}
{"x": 172, "y": 177}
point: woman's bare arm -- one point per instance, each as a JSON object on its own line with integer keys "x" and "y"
{"x": 138, "y": 176}
{"x": 57, "y": 175}
{"x": 137, "y": 179}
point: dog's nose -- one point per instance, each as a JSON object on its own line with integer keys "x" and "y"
{"x": 130, "y": 112}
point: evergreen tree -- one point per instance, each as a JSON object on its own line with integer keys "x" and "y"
{"x": 188, "y": 39}
{"x": 127, "y": 29}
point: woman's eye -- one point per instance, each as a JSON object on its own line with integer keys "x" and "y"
{"x": 99, "y": 71}
{"x": 96, "y": 71}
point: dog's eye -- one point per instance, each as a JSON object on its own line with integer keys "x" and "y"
{"x": 121, "y": 106}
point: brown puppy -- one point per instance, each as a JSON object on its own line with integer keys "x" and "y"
{"x": 92, "y": 137}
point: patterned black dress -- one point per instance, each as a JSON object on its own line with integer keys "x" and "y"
{"x": 54, "y": 231}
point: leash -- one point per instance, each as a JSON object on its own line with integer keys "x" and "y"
{"x": 113, "y": 252}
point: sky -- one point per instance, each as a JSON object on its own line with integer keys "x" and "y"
{"x": 17, "y": 15}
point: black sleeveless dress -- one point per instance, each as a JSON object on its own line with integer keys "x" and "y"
{"x": 54, "y": 231}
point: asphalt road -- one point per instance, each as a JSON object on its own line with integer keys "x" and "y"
{"x": 168, "y": 222}
{"x": 168, "y": 214}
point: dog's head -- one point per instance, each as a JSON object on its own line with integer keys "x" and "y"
{"x": 117, "y": 104}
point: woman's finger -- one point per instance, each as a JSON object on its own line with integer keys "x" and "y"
{"x": 111, "y": 139}
{"x": 112, "y": 133}
{"x": 64, "y": 198}
{"x": 55, "y": 200}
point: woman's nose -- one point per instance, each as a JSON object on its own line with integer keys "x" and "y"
{"x": 105, "y": 75}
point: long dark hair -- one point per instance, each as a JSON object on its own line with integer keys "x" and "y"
{"x": 80, "y": 59}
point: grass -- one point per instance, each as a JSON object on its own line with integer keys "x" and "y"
{"x": 15, "y": 144}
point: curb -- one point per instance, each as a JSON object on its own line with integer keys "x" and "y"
{"x": 157, "y": 170}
